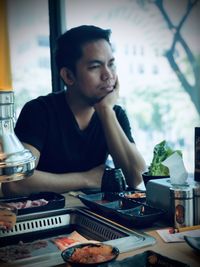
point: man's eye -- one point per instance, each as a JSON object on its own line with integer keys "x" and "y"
{"x": 93, "y": 66}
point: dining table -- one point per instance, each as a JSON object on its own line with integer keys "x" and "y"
{"x": 179, "y": 251}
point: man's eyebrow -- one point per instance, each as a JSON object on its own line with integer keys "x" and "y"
{"x": 97, "y": 61}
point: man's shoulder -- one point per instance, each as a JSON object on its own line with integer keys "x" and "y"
{"x": 51, "y": 96}
{"x": 47, "y": 99}
{"x": 118, "y": 109}
{"x": 120, "y": 113}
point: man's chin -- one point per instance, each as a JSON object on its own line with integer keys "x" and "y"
{"x": 95, "y": 101}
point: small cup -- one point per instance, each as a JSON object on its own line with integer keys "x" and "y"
{"x": 8, "y": 216}
{"x": 113, "y": 180}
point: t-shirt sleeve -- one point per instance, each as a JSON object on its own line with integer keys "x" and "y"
{"x": 124, "y": 122}
{"x": 31, "y": 125}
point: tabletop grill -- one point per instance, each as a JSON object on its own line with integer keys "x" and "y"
{"x": 43, "y": 225}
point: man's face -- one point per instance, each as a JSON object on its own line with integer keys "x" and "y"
{"x": 95, "y": 71}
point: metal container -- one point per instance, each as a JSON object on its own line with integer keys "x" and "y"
{"x": 182, "y": 206}
{"x": 196, "y": 191}
{"x": 16, "y": 162}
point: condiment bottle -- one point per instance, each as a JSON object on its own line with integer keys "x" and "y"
{"x": 182, "y": 206}
{"x": 196, "y": 191}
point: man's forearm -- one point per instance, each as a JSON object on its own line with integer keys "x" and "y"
{"x": 123, "y": 152}
{"x": 60, "y": 183}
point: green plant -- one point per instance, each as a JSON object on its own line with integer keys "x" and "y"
{"x": 160, "y": 153}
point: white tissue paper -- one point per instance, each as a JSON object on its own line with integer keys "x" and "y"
{"x": 177, "y": 170}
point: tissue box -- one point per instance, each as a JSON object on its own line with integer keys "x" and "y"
{"x": 158, "y": 195}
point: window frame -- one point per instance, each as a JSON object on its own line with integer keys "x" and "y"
{"x": 55, "y": 29}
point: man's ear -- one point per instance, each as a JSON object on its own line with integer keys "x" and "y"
{"x": 67, "y": 76}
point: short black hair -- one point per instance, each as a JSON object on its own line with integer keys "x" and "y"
{"x": 69, "y": 44}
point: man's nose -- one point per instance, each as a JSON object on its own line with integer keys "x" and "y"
{"x": 107, "y": 73}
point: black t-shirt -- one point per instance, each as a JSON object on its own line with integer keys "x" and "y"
{"x": 48, "y": 124}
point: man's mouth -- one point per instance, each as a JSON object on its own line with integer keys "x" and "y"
{"x": 107, "y": 88}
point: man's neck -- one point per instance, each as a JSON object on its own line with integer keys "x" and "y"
{"x": 82, "y": 111}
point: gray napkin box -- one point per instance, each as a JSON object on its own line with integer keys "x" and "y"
{"x": 158, "y": 195}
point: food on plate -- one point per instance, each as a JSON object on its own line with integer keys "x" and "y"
{"x": 63, "y": 242}
{"x": 90, "y": 253}
{"x": 136, "y": 195}
{"x": 28, "y": 203}
{"x": 21, "y": 250}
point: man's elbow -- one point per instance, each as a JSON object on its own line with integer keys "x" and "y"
{"x": 134, "y": 177}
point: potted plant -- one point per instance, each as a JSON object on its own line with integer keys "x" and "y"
{"x": 156, "y": 169}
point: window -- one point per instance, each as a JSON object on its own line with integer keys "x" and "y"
{"x": 28, "y": 24}
{"x": 156, "y": 99}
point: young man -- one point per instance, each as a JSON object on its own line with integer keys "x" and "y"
{"x": 72, "y": 132}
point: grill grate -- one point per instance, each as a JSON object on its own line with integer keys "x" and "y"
{"x": 38, "y": 225}
{"x": 103, "y": 231}
{"x": 89, "y": 225}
